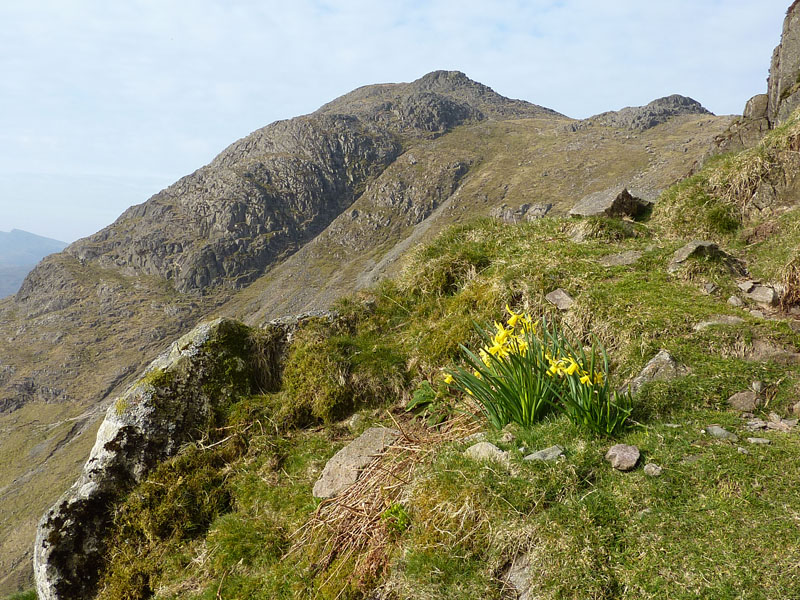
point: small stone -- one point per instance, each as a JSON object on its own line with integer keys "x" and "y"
{"x": 475, "y": 437}
{"x": 548, "y": 454}
{"x": 718, "y": 320}
{"x": 653, "y": 470}
{"x": 703, "y": 249}
{"x": 735, "y": 301}
{"x": 620, "y": 260}
{"x": 763, "y": 295}
{"x": 709, "y": 288}
{"x": 507, "y": 437}
{"x": 796, "y": 409}
{"x": 741, "y": 450}
{"x": 672, "y": 425}
{"x": 759, "y": 441}
{"x": 623, "y": 457}
{"x": 746, "y": 401}
{"x": 757, "y": 313}
{"x": 755, "y": 425}
{"x": 695, "y": 248}
{"x": 560, "y": 298}
{"x": 661, "y": 367}
{"x": 486, "y": 451}
{"x": 757, "y": 386}
{"x": 746, "y": 286}
{"x": 721, "y": 433}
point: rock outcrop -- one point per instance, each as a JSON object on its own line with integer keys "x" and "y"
{"x": 613, "y": 202}
{"x": 655, "y": 113}
{"x": 783, "y": 84}
{"x": 171, "y": 403}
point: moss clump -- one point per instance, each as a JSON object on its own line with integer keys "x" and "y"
{"x": 333, "y": 367}
{"x": 176, "y": 503}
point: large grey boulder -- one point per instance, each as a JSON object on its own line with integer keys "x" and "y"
{"x": 783, "y": 87}
{"x": 344, "y": 469}
{"x": 147, "y": 424}
{"x": 612, "y": 202}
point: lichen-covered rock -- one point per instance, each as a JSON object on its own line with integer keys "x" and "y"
{"x": 173, "y": 400}
{"x": 613, "y": 202}
{"x": 345, "y": 467}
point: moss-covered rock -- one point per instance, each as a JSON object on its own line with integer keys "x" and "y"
{"x": 177, "y": 399}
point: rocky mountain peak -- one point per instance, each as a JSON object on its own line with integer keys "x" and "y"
{"x": 433, "y": 103}
{"x": 650, "y": 115}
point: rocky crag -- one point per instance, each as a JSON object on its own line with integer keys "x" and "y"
{"x": 284, "y": 221}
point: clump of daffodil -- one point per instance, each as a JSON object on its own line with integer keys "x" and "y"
{"x": 525, "y": 369}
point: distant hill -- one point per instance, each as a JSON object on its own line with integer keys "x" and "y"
{"x": 20, "y": 251}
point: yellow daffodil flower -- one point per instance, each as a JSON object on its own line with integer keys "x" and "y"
{"x": 448, "y": 379}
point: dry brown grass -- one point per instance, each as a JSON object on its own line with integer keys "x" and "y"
{"x": 348, "y": 531}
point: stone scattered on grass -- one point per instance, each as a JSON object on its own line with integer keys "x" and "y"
{"x": 344, "y": 468}
{"x": 747, "y": 286}
{"x": 519, "y": 577}
{"x": 623, "y": 457}
{"x": 735, "y": 301}
{"x": 763, "y": 295}
{"x": 661, "y": 367}
{"x": 741, "y": 450}
{"x": 759, "y": 441}
{"x": 721, "y": 433}
{"x": 507, "y": 437}
{"x": 672, "y": 425}
{"x": 486, "y": 451}
{"x": 560, "y": 298}
{"x": 547, "y": 455}
{"x": 796, "y": 409}
{"x": 653, "y": 470}
{"x": 718, "y": 320}
{"x": 709, "y": 288}
{"x": 620, "y": 260}
{"x": 613, "y": 202}
{"x": 757, "y": 313}
{"x": 776, "y": 423}
{"x": 475, "y": 437}
{"x": 703, "y": 249}
{"x": 746, "y": 401}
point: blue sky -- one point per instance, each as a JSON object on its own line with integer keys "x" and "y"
{"x": 102, "y": 103}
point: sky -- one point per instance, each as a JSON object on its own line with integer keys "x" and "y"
{"x": 103, "y": 104}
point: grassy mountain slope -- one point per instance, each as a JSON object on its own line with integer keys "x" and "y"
{"x": 720, "y": 520}
{"x": 287, "y": 218}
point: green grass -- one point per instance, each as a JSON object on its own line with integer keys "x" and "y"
{"x": 29, "y": 595}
